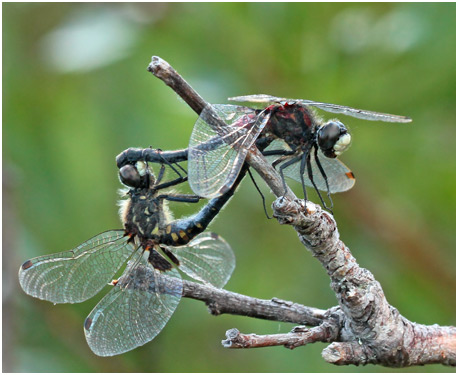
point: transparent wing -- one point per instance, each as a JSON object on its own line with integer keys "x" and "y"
{"x": 333, "y": 108}
{"x": 76, "y": 275}
{"x": 217, "y": 154}
{"x": 258, "y": 98}
{"x": 207, "y": 258}
{"x": 135, "y": 311}
{"x": 276, "y": 145}
{"x": 340, "y": 178}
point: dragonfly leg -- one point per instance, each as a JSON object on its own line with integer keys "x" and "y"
{"x": 310, "y": 175}
{"x": 177, "y": 181}
{"x": 160, "y": 176}
{"x": 260, "y": 192}
{"x": 167, "y": 184}
{"x": 323, "y": 173}
{"x": 287, "y": 164}
{"x": 171, "y": 165}
{"x": 302, "y": 171}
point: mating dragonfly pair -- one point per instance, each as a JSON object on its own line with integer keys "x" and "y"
{"x": 149, "y": 290}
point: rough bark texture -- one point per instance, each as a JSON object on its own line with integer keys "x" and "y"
{"x": 373, "y": 331}
{"x": 364, "y": 328}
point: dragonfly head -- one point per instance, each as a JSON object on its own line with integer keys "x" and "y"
{"x": 136, "y": 176}
{"x": 333, "y": 138}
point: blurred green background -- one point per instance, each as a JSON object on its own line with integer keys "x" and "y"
{"x": 76, "y": 93}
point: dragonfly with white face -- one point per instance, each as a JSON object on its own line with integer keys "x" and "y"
{"x": 288, "y": 131}
{"x": 146, "y": 295}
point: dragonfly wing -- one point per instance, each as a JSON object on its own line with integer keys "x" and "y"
{"x": 328, "y": 107}
{"x": 340, "y": 178}
{"x": 354, "y": 112}
{"x": 207, "y": 258}
{"x": 216, "y": 155}
{"x": 76, "y": 275}
{"x": 135, "y": 311}
{"x": 259, "y": 98}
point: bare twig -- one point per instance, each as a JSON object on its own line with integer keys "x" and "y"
{"x": 224, "y": 302}
{"x": 299, "y": 336}
{"x": 364, "y": 328}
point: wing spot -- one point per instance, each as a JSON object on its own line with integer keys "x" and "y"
{"x": 27, "y": 264}
{"x": 87, "y": 323}
{"x": 350, "y": 175}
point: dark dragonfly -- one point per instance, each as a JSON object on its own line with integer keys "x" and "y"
{"x": 145, "y": 296}
{"x": 287, "y": 131}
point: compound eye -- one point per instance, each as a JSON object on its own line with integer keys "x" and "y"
{"x": 329, "y": 135}
{"x": 129, "y": 176}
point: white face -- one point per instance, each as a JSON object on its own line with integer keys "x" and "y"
{"x": 141, "y": 167}
{"x": 342, "y": 144}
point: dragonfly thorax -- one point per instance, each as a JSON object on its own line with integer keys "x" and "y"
{"x": 293, "y": 123}
{"x": 144, "y": 216}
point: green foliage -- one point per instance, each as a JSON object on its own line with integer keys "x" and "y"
{"x": 76, "y": 93}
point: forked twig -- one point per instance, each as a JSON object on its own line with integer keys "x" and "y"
{"x": 299, "y": 336}
{"x": 364, "y": 328}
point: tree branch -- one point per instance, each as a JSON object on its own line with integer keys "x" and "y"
{"x": 364, "y": 328}
{"x": 224, "y": 302}
{"x": 297, "y": 337}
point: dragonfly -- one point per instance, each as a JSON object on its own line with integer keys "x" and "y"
{"x": 287, "y": 131}
{"x": 154, "y": 246}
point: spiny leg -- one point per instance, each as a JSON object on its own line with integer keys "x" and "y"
{"x": 323, "y": 173}
{"x": 171, "y": 165}
{"x": 304, "y": 158}
{"x": 310, "y": 175}
{"x": 167, "y": 184}
{"x": 160, "y": 175}
{"x": 285, "y": 165}
{"x": 171, "y": 183}
{"x": 260, "y": 192}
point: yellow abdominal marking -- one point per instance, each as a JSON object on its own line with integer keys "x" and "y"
{"x": 168, "y": 229}
{"x": 183, "y": 235}
{"x": 174, "y": 237}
